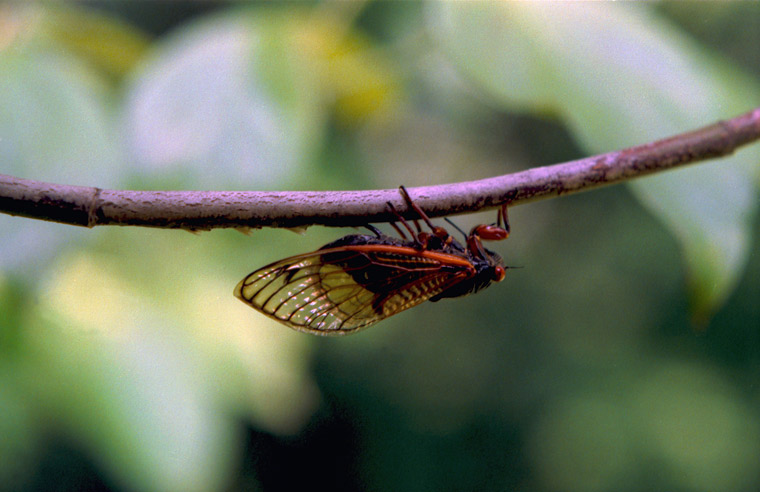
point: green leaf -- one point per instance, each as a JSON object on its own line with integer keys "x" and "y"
{"x": 618, "y": 75}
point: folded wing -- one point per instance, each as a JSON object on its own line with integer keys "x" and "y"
{"x": 340, "y": 290}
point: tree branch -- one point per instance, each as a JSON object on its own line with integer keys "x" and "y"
{"x": 204, "y": 210}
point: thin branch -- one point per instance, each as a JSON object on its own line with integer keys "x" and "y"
{"x": 203, "y": 210}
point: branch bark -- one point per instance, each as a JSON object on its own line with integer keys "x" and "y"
{"x": 205, "y": 210}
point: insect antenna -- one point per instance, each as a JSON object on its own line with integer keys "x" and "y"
{"x": 377, "y": 232}
{"x": 452, "y": 224}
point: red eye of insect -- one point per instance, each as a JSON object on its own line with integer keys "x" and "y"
{"x": 358, "y": 280}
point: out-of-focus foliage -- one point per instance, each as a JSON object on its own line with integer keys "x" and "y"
{"x": 111, "y": 46}
{"x": 127, "y": 364}
{"x": 619, "y": 77}
{"x": 243, "y": 97}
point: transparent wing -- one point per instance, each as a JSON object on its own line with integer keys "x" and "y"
{"x": 340, "y": 290}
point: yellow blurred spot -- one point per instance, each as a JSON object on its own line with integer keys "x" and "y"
{"x": 360, "y": 80}
{"x": 264, "y": 367}
{"x": 113, "y": 46}
{"x": 85, "y": 291}
{"x": 274, "y": 363}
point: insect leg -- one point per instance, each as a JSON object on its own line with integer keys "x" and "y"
{"x": 475, "y": 246}
{"x": 415, "y": 207}
{"x": 438, "y": 232}
{"x": 400, "y": 231}
{"x": 502, "y": 220}
{"x": 404, "y": 223}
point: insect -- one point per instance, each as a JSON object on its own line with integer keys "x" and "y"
{"x": 358, "y": 280}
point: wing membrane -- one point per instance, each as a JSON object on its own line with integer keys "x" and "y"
{"x": 343, "y": 289}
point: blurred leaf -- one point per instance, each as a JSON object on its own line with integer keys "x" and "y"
{"x": 202, "y": 105}
{"x": 583, "y": 444}
{"x": 693, "y": 419}
{"x": 260, "y": 370}
{"x": 266, "y": 366}
{"x": 126, "y": 384}
{"x": 55, "y": 126}
{"x": 112, "y": 46}
{"x": 362, "y": 82}
{"x": 618, "y": 75}
{"x": 241, "y": 99}
{"x": 678, "y": 425}
{"x": 19, "y": 445}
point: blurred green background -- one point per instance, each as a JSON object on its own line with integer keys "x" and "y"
{"x": 623, "y": 354}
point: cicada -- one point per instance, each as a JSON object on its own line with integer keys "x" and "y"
{"x": 358, "y": 280}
